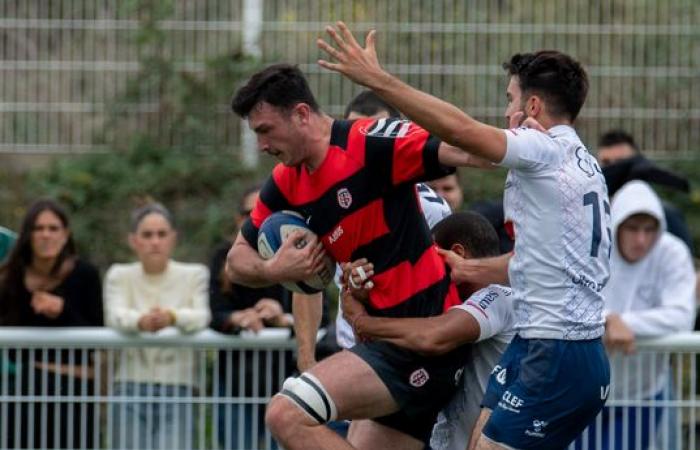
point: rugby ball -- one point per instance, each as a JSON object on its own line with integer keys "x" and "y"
{"x": 274, "y": 231}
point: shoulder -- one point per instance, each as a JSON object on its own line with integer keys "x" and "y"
{"x": 122, "y": 270}
{"x": 191, "y": 269}
{"x": 672, "y": 250}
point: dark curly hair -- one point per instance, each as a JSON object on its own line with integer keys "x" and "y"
{"x": 555, "y": 76}
{"x": 280, "y": 85}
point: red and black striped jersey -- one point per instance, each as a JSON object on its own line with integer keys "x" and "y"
{"x": 362, "y": 202}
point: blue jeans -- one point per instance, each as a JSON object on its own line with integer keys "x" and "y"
{"x": 162, "y": 422}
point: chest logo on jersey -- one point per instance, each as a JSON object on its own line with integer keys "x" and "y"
{"x": 344, "y": 198}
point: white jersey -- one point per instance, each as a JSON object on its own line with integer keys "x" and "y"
{"x": 434, "y": 208}
{"x": 557, "y": 202}
{"x": 492, "y": 307}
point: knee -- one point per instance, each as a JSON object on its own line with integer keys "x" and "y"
{"x": 281, "y": 416}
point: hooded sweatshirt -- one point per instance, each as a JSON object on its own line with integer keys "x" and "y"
{"x": 654, "y": 296}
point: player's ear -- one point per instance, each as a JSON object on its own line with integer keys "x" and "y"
{"x": 459, "y": 249}
{"x": 301, "y": 112}
{"x": 534, "y": 106}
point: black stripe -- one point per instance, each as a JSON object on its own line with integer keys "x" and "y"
{"x": 426, "y": 303}
{"x": 250, "y": 233}
{"x": 340, "y": 130}
{"x": 433, "y": 168}
{"x": 306, "y": 288}
{"x": 320, "y": 392}
{"x": 303, "y": 404}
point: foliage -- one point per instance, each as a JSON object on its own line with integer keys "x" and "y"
{"x": 178, "y": 158}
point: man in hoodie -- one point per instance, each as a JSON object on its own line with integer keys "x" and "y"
{"x": 651, "y": 292}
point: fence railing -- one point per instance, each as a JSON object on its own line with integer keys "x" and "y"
{"x": 98, "y": 388}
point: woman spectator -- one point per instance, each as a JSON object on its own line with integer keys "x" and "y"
{"x": 147, "y": 296}
{"x": 44, "y": 283}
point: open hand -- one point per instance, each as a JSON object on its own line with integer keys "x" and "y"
{"x": 359, "y": 64}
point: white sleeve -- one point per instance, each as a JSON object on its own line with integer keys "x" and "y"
{"x": 435, "y": 208}
{"x": 676, "y": 308}
{"x": 529, "y": 149}
{"x": 119, "y": 312}
{"x": 196, "y": 315}
{"x": 492, "y": 308}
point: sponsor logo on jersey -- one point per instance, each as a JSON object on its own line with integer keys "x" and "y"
{"x": 419, "y": 377}
{"x": 488, "y": 299}
{"x": 583, "y": 280}
{"x": 537, "y": 428}
{"x": 336, "y": 234}
{"x": 511, "y": 402}
{"x": 344, "y": 198}
{"x": 501, "y": 377}
{"x": 586, "y": 162}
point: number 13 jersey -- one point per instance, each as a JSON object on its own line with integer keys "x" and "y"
{"x": 556, "y": 205}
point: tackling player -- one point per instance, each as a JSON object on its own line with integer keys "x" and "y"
{"x": 556, "y": 371}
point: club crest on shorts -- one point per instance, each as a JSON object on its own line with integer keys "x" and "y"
{"x": 344, "y": 198}
{"x": 419, "y": 377}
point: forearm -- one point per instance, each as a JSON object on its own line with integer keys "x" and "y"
{"x": 495, "y": 270}
{"x": 307, "y": 311}
{"x": 440, "y": 118}
{"x": 245, "y": 266}
{"x": 422, "y": 335}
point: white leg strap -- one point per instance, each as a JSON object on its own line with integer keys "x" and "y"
{"x": 307, "y": 392}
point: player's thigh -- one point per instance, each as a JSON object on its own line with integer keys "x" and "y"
{"x": 370, "y": 435}
{"x": 354, "y": 386}
{"x": 478, "y": 427}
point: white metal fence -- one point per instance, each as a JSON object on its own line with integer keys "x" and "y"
{"x": 63, "y": 62}
{"x": 46, "y": 404}
{"x": 68, "y": 388}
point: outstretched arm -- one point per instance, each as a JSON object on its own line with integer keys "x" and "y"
{"x": 442, "y": 119}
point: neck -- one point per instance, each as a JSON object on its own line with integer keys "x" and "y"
{"x": 466, "y": 290}
{"x": 548, "y": 122}
{"x": 154, "y": 268}
{"x": 318, "y": 140}
{"x": 43, "y": 266}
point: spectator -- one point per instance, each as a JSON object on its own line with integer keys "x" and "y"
{"x": 235, "y": 307}
{"x": 7, "y": 240}
{"x": 147, "y": 296}
{"x": 449, "y": 188}
{"x": 651, "y": 292}
{"x": 622, "y": 161}
{"x": 44, "y": 283}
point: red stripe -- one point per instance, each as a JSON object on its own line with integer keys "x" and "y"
{"x": 452, "y": 298}
{"x": 259, "y": 213}
{"x": 356, "y": 229}
{"x": 404, "y": 280}
{"x": 408, "y": 155}
{"x": 300, "y": 187}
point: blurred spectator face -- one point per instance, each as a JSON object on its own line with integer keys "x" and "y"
{"x": 636, "y": 236}
{"x": 614, "y": 153}
{"x": 49, "y": 235}
{"x": 246, "y": 207}
{"x": 448, "y": 188}
{"x": 382, "y": 114}
{"x": 153, "y": 241}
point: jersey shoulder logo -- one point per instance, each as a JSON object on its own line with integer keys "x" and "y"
{"x": 390, "y": 128}
{"x": 344, "y": 198}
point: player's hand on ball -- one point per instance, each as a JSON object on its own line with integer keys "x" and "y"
{"x": 359, "y": 64}
{"x": 300, "y": 256}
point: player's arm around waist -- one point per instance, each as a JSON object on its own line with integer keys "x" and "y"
{"x": 429, "y": 336}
